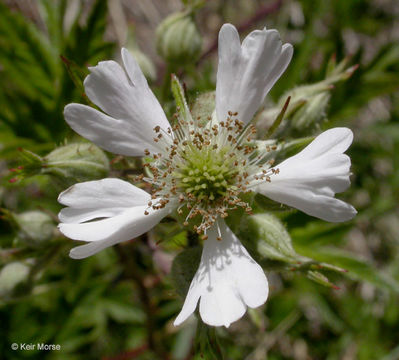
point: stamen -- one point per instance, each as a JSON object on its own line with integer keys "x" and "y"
{"x": 204, "y": 168}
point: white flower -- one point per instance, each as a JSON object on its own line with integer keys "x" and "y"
{"x": 200, "y": 170}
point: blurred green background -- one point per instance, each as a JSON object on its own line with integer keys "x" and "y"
{"x": 120, "y": 304}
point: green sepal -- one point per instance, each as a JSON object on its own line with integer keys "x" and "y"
{"x": 30, "y": 158}
{"x": 180, "y": 99}
{"x": 278, "y": 120}
{"x": 262, "y": 203}
{"x": 207, "y": 343}
{"x": 203, "y": 107}
{"x": 279, "y": 151}
{"x": 184, "y": 268}
{"x": 76, "y": 73}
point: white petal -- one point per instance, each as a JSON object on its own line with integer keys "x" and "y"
{"x": 226, "y": 282}
{"x": 118, "y": 207}
{"x": 72, "y": 215}
{"x": 103, "y": 193}
{"x": 124, "y": 224}
{"x": 114, "y": 135}
{"x": 104, "y": 233}
{"x": 246, "y": 73}
{"x": 133, "y": 111}
{"x": 332, "y": 141}
{"x": 309, "y": 180}
{"x": 100, "y": 198}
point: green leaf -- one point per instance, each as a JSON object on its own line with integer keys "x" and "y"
{"x": 272, "y": 239}
{"x": 318, "y": 277}
{"x": 356, "y": 268}
{"x": 267, "y": 235}
{"x": 183, "y": 343}
{"x": 319, "y": 233}
{"x": 207, "y": 343}
{"x": 123, "y": 312}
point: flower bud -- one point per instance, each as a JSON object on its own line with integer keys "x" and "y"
{"x": 312, "y": 112}
{"x": 69, "y": 164}
{"x": 33, "y": 227}
{"x": 76, "y": 162}
{"x": 308, "y": 103}
{"x": 12, "y": 275}
{"x": 178, "y": 38}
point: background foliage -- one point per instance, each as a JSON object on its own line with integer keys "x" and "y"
{"x": 120, "y": 304}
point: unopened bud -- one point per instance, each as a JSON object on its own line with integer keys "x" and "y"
{"x": 308, "y": 103}
{"x": 312, "y": 112}
{"x": 178, "y": 38}
{"x": 76, "y": 162}
{"x": 69, "y": 164}
{"x": 12, "y": 275}
{"x": 33, "y": 227}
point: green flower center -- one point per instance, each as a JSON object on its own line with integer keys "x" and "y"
{"x": 206, "y": 174}
{"x": 204, "y": 169}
